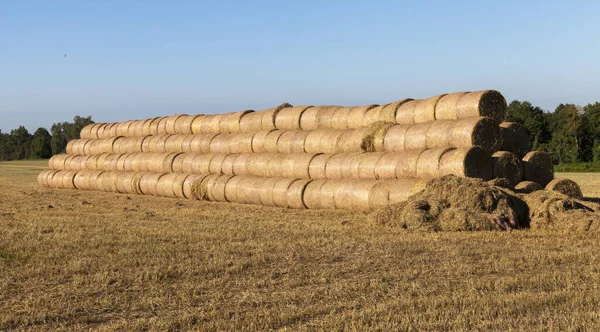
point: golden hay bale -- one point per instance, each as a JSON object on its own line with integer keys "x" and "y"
{"x": 112, "y": 129}
{"x": 312, "y": 195}
{"x": 353, "y": 194}
{"x": 489, "y": 103}
{"x": 174, "y": 143}
{"x": 109, "y": 181}
{"x": 289, "y": 118}
{"x": 81, "y": 180}
{"x": 280, "y": 191}
{"x": 120, "y": 163}
{"x": 326, "y": 115}
{"x": 269, "y": 118}
{"x": 367, "y": 166}
{"x": 390, "y": 111}
{"x": 134, "y": 145}
{"x": 445, "y": 109}
{"x": 190, "y": 183}
{"x": 405, "y": 114}
{"x": 259, "y": 141}
{"x": 101, "y": 160}
{"x": 183, "y": 124}
{"x": 374, "y": 137}
{"x": 295, "y": 194}
{"x": 439, "y": 134}
{"x": 333, "y": 167}
{"x": 230, "y": 122}
{"x": 527, "y": 187}
{"x": 386, "y": 166}
{"x": 316, "y": 169}
{"x": 227, "y": 164}
{"x": 201, "y": 143}
{"x": 100, "y": 131}
{"x": 327, "y": 193}
{"x": 177, "y": 165}
{"x": 122, "y": 128}
{"x": 415, "y": 137}
{"x": 160, "y": 143}
{"x": 45, "y": 178}
{"x": 110, "y": 162}
{"x": 270, "y": 142}
{"x": 352, "y": 140}
{"x": 267, "y": 190}
{"x": 209, "y": 124}
{"x": 201, "y": 163}
{"x": 350, "y": 168}
{"x": 91, "y": 181}
{"x": 149, "y": 183}
{"x": 340, "y": 117}
{"x": 171, "y": 185}
{"x": 163, "y": 162}
{"x": 287, "y": 140}
{"x": 276, "y": 164}
{"x": 355, "y": 117}
{"x": 136, "y": 128}
{"x": 481, "y": 132}
{"x": 147, "y": 127}
{"x": 64, "y": 180}
{"x": 428, "y": 164}
{"x": 216, "y": 163}
{"x": 301, "y": 165}
{"x": 248, "y": 189}
{"x": 138, "y": 162}
{"x": 232, "y": 188}
{"x": 467, "y": 162}
{"x": 308, "y": 119}
{"x": 258, "y": 164}
{"x": 197, "y": 124}
{"x": 184, "y": 163}
{"x": 538, "y": 167}
{"x": 75, "y": 147}
{"x": 373, "y": 115}
{"x": 91, "y": 162}
{"x": 128, "y": 163}
{"x": 124, "y": 182}
{"x": 170, "y": 124}
{"x": 387, "y": 192}
{"x": 212, "y": 187}
{"x": 241, "y": 143}
{"x": 86, "y": 132}
{"x": 299, "y": 141}
{"x": 57, "y": 162}
{"x": 507, "y": 165}
{"x": 565, "y": 187}
{"x": 186, "y": 145}
{"x": 251, "y": 122}
{"x": 220, "y": 144}
{"x": 514, "y": 138}
{"x": 162, "y": 126}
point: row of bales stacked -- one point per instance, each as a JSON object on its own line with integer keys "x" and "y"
{"x": 361, "y": 157}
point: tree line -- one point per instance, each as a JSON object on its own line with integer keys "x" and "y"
{"x": 570, "y": 134}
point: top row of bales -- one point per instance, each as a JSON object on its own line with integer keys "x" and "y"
{"x": 453, "y": 106}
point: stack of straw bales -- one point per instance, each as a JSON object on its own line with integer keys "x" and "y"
{"x": 316, "y": 157}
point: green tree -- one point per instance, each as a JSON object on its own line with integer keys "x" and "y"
{"x": 63, "y": 132}
{"x": 572, "y": 140}
{"x": 40, "y": 144}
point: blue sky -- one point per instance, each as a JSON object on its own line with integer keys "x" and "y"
{"x": 139, "y": 59}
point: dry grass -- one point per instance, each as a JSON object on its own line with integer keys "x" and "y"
{"x": 80, "y": 260}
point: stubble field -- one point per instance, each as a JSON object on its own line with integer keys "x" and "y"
{"x": 89, "y": 260}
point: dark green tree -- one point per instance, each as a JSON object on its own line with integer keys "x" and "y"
{"x": 40, "y": 144}
{"x": 63, "y": 132}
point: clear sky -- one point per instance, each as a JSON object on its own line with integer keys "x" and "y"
{"x": 136, "y": 59}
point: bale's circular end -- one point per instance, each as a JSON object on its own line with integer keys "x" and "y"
{"x": 527, "y": 187}
{"x": 487, "y": 135}
{"x": 514, "y": 138}
{"x": 488, "y": 103}
{"x": 507, "y": 165}
{"x": 537, "y": 167}
{"x": 471, "y": 162}
{"x": 566, "y": 187}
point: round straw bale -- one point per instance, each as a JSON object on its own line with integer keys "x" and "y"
{"x": 259, "y": 141}
{"x": 80, "y": 179}
{"x": 425, "y": 109}
{"x": 251, "y": 122}
{"x": 120, "y": 144}
{"x": 170, "y": 125}
{"x": 301, "y": 165}
{"x": 374, "y": 138}
{"x": 177, "y": 165}
{"x": 366, "y": 166}
{"x": 249, "y": 190}
{"x": 136, "y": 144}
{"x": 112, "y": 129}
{"x": 124, "y": 182}
{"x": 95, "y": 130}
{"x": 201, "y": 163}
{"x": 220, "y": 144}
{"x": 289, "y": 118}
{"x": 353, "y": 194}
{"x": 197, "y": 124}
{"x": 384, "y": 167}
{"x": 280, "y": 192}
{"x": 340, "y": 118}
{"x": 45, "y": 177}
{"x": 71, "y": 146}
{"x": 94, "y": 182}
{"x": 216, "y": 163}
{"x": 183, "y": 124}
{"x": 136, "y": 128}
{"x": 190, "y": 182}
{"x": 333, "y": 167}
{"x": 167, "y": 162}
{"x": 110, "y": 162}
{"x": 87, "y": 147}
{"x": 267, "y": 189}
{"x": 86, "y": 132}
{"x": 216, "y": 187}
{"x": 178, "y": 185}
{"x": 147, "y": 127}
{"x": 167, "y": 184}
{"x": 373, "y": 115}
{"x": 270, "y": 116}
{"x": 122, "y": 128}
{"x": 162, "y": 126}
{"x": 393, "y": 140}
{"x": 308, "y": 119}
{"x": 351, "y": 165}
{"x": 428, "y": 164}
{"x": 210, "y": 123}
{"x": 415, "y": 137}
{"x": 488, "y": 103}
{"x": 241, "y": 143}
{"x": 389, "y": 112}
{"x": 129, "y": 159}
{"x": 502, "y": 183}
{"x": 351, "y": 140}
{"x": 439, "y": 134}
{"x": 90, "y": 163}
{"x": 527, "y": 187}
{"x": 357, "y": 115}
{"x": 109, "y": 182}
{"x": 299, "y": 141}
{"x": 405, "y": 114}
{"x": 201, "y": 143}
{"x": 312, "y": 195}
{"x": 137, "y": 162}
{"x": 482, "y": 132}
{"x": 258, "y": 164}
{"x": 507, "y": 165}
{"x": 67, "y": 179}
{"x": 161, "y": 143}
{"x": 566, "y": 187}
{"x": 295, "y": 194}
{"x": 323, "y": 141}
{"x": 445, "y": 109}
{"x": 467, "y": 162}
{"x": 227, "y": 164}
{"x": 286, "y": 140}
{"x": 232, "y": 188}
{"x": 230, "y": 122}
{"x": 386, "y": 192}
{"x": 240, "y": 164}
{"x": 514, "y": 138}
{"x": 276, "y": 164}
{"x": 316, "y": 169}
{"x": 186, "y": 145}
{"x": 327, "y": 193}
{"x": 149, "y": 183}
{"x": 101, "y": 132}
{"x": 186, "y": 163}
{"x": 326, "y": 115}
{"x": 108, "y": 146}
{"x": 57, "y": 162}
{"x": 174, "y": 143}
{"x": 270, "y": 143}
{"x": 120, "y": 163}
{"x": 537, "y": 167}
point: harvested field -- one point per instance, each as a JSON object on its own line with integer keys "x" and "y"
{"x": 80, "y": 260}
